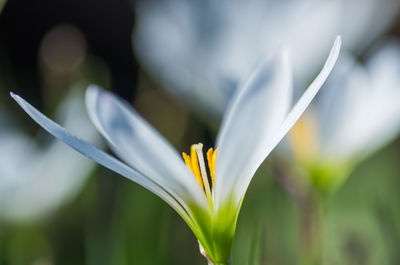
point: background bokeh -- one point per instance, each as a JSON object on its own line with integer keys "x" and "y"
{"x": 57, "y": 207}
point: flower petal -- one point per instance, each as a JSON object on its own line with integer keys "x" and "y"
{"x": 36, "y": 179}
{"x": 248, "y": 109}
{"x": 99, "y": 156}
{"x": 340, "y": 104}
{"x": 253, "y": 117}
{"x": 140, "y": 145}
{"x": 367, "y": 98}
{"x": 307, "y": 96}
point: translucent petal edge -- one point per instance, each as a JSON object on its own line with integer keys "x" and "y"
{"x": 102, "y": 158}
{"x": 178, "y": 181}
{"x": 308, "y": 95}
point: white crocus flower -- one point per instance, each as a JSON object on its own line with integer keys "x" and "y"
{"x": 357, "y": 113}
{"x": 35, "y": 180}
{"x": 257, "y": 119}
{"x": 200, "y": 50}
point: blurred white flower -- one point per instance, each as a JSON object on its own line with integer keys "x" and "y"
{"x": 200, "y": 50}
{"x": 357, "y": 112}
{"x": 257, "y": 118}
{"x": 36, "y": 178}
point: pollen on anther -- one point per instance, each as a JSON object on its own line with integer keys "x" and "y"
{"x": 197, "y": 165}
{"x": 189, "y": 161}
{"x": 211, "y": 155}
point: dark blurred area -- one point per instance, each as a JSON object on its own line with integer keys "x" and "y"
{"x": 107, "y": 26}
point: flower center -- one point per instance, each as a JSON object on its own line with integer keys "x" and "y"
{"x": 197, "y": 165}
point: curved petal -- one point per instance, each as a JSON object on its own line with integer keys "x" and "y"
{"x": 307, "y": 96}
{"x": 246, "y": 160}
{"x": 333, "y": 102}
{"x": 384, "y": 68}
{"x": 369, "y": 106}
{"x": 99, "y": 156}
{"x": 36, "y": 180}
{"x": 253, "y": 117}
{"x": 344, "y": 108}
{"x": 140, "y": 145}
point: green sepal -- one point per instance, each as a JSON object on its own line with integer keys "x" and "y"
{"x": 327, "y": 176}
{"x": 215, "y": 230}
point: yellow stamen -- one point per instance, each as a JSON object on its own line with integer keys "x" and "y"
{"x": 214, "y": 159}
{"x": 188, "y": 162}
{"x": 211, "y": 157}
{"x": 202, "y": 166}
{"x": 195, "y": 166}
{"x": 195, "y": 162}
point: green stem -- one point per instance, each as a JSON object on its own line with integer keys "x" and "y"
{"x": 311, "y": 230}
{"x": 220, "y": 263}
{"x": 210, "y": 262}
{"x": 2, "y": 254}
{"x": 310, "y": 209}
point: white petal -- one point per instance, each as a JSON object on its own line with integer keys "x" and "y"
{"x": 344, "y": 97}
{"x": 384, "y": 68}
{"x": 302, "y": 103}
{"x": 99, "y": 156}
{"x": 253, "y": 117}
{"x": 241, "y": 164}
{"x": 307, "y": 97}
{"x": 368, "y": 101}
{"x": 35, "y": 180}
{"x": 140, "y": 145}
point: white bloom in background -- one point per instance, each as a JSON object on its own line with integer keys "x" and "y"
{"x": 37, "y": 178}
{"x": 357, "y": 113}
{"x": 200, "y": 50}
{"x": 257, "y": 118}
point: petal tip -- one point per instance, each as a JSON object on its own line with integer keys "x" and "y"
{"x": 338, "y": 43}
{"x": 13, "y": 95}
{"x": 17, "y": 98}
{"x": 93, "y": 87}
{"x": 91, "y": 90}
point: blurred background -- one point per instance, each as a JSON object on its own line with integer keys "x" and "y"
{"x": 179, "y": 62}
